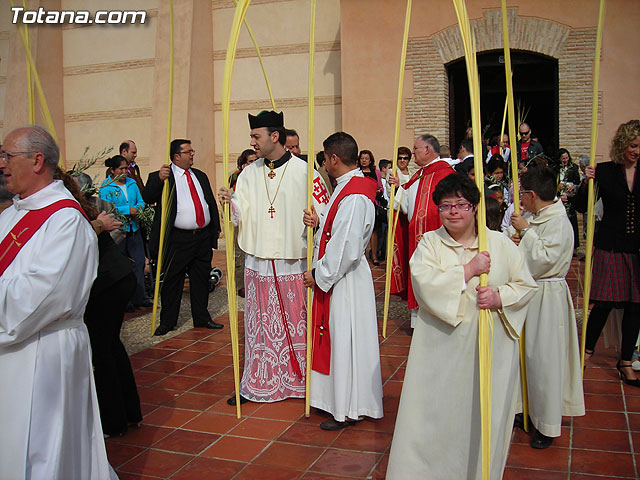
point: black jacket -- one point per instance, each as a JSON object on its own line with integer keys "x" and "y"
{"x": 535, "y": 148}
{"x": 619, "y": 229}
{"x": 152, "y": 193}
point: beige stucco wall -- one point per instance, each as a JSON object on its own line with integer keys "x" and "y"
{"x": 105, "y": 83}
{"x": 371, "y": 41}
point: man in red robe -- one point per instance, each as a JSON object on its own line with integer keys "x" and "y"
{"x": 415, "y": 199}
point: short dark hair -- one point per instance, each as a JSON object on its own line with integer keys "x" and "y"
{"x": 342, "y": 145}
{"x": 384, "y": 163}
{"x": 493, "y": 214}
{"x": 242, "y": 159}
{"x": 467, "y": 143}
{"x": 175, "y": 146}
{"x": 496, "y": 161}
{"x": 372, "y": 166}
{"x": 282, "y": 137}
{"x": 456, "y": 184}
{"x": 320, "y": 158}
{"x": 404, "y": 151}
{"x": 124, "y": 146}
{"x": 541, "y": 180}
{"x": 290, "y": 132}
{"x": 115, "y": 161}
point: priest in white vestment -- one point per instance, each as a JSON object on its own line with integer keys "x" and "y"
{"x": 353, "y": 386}
{"x": 266, "y": 206}
{"x": 437, "y": 434}
{"x": 554, "y": 377}
{"x": 51, "y": 425}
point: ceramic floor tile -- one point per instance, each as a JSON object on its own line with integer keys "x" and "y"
{"x": 602, "y": 387}
{"x": 186, "y": 356}
{"x": 290, "y": 410}
{"x": 156, "y": 463}
{"x": 362, "y": 440}
{"x": 379, "y": 473}
{"x": 610, "y": 440}
{"x": 154, "y": 353}
{"x": 236, "y": 448}
{"x": 215, "y": 386}
{"x": 169, "y": 417}
{"x": 512, "y": 473}
{"x": 612, "y": 403}
{"x": 175, "y": 343}
{"x": 263, "y": 472}
{"x": 290, "y": 456}
{"x": 193, "y": 401}
{"x": 213, "y": 423}
{"x": 308, "y": 435}
{"x": 603, "y": 420}
{"x": 118, "y": 453}
{"x": 178, "y": 382}
{"x": 633, "y": 403}
{"x": 260, "y": 428}
{"x": 134, "y": 476}
{"x": 589, "y": 461}
{"x": 165, "y": 366}
{"x": 344, "y": 462}
{"x": 553, "y": 458}
{"x": 185, "y": 441}
{"x": 145, "y": 378}
{"x": 199, "y": 371}
{"x": 143, "y": 436}
{"x": 210, "y": 469}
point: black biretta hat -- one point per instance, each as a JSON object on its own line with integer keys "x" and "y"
{"x": 266, "y": 119}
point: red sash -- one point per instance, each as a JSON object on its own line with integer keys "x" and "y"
{"x": 27, "y": 226}
{"x": 425, "y": 212}
{"x": 322, "y": 300}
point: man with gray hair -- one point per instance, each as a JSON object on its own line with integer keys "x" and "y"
{"x": 414, "y": 199}
{"x": 48, "y": 261}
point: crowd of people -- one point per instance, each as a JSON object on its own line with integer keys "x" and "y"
{"x": 72, "y": 264}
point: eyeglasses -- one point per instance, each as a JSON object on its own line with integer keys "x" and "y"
{"x": 5, "y": 155}
{"x": 188, "y": 151}
{"x": 460, "y": 207}
{"x": 524, "y": 134}
{"x": 403, "y": 157}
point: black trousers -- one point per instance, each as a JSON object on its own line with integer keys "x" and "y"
{"x": 115, "y": 384}
{"x": 630, "y": 327}
{"x": 187, "y": 252}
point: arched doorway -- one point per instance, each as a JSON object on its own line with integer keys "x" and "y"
{"x": 535, "y": 85}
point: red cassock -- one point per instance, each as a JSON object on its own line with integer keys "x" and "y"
{"x": 425, "y": 218}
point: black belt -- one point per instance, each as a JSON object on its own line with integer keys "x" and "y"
{"x": 197, "y": 231}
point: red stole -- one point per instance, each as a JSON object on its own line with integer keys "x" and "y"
{"x": 322, "y": 300}
{"x": 26, "y": 227}
{"x": 425, "y": 212}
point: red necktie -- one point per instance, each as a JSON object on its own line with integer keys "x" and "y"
{"x": 196, "y": 200}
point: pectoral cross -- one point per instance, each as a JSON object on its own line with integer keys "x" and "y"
{"x": 271, "y": 210}
{"x": 271, "y": 173}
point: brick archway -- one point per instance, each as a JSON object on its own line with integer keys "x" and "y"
{"x": 428, "y": 110}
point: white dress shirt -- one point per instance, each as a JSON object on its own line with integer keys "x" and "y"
{"x": 185, "y": 209}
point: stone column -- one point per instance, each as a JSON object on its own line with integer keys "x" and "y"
{"x": 192, "y": 116}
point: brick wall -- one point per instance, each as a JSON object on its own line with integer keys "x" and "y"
{"x": 428, "y": 110}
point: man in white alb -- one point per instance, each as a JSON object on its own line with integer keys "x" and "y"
{"x": 48, "y": 261}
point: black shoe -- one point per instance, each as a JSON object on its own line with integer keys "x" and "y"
{"x": 146, "y": 304}
{"x": 162, "y": 330}
{"x": 332, "y": 424}
{"x": 518, "y": 421}
{"x": 541, "y": 441}
{"x": 130, "y": 308}
{"x": 623, "y": 377}
{"x": 232, "y": 401}
{"x": 241, "y": 292}
{"x": 210, "y": 324}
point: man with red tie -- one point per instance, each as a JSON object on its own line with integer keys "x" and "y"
{"x": 193, "y": 227}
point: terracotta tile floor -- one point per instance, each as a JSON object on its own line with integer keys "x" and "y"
{"x": 189, "y": 432}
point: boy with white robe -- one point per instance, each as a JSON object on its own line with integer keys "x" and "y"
{"x": 552, "y": 354}
{"x": 346, "y": 379}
